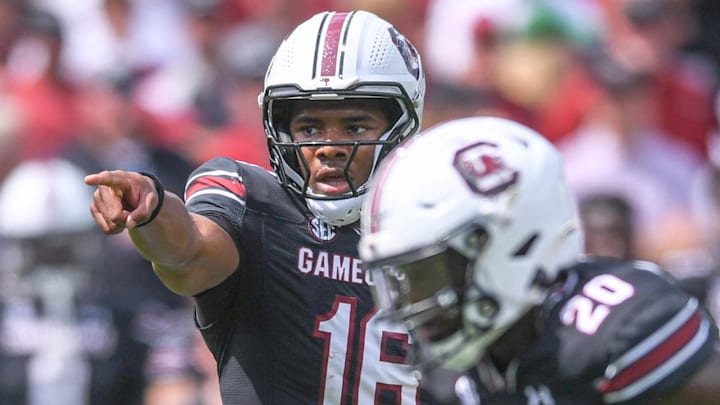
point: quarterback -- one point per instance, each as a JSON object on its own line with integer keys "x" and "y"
{"x": 271, "y": 257}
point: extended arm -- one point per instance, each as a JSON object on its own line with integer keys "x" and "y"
{"x": 190, "y": 253}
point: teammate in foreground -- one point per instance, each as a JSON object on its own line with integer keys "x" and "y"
{"x": 479, "y": 253}
{"x": 271, "y": 258}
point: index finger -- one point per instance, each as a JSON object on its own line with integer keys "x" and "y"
{"x": 107, "y": 178}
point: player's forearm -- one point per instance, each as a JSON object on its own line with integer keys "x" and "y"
{"x": 190, "y": 253}
{"x": 170, "y": 240}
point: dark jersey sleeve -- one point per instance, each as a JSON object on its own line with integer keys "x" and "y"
{"x": 217, "y": 190}
{"x": 643, "y": 335}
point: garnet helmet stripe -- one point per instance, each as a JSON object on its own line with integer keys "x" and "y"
{"x": 331, "y": 47}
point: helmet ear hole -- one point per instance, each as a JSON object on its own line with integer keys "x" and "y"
{"x": 524, "y": 249}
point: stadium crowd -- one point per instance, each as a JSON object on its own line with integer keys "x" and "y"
{"x": 626, "y": 89}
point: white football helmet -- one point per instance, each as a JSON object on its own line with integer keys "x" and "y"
{"x": 44, "y": 216}
{"x": 464, "y": 229}
{"x": 335, "y": 56}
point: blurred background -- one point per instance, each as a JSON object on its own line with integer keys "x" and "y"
{"x": 627, "y": 90}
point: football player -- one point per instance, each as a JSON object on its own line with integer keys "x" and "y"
{"x": 271, "y": 257}
{"x": 480, "y": 255}
{"x": 71, "y": 334}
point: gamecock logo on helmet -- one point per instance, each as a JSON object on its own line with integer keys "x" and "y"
{"x": 407, "y": 50}
{"x": 483, "y": 169}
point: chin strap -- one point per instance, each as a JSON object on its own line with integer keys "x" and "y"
{"x": 336, "y": 212}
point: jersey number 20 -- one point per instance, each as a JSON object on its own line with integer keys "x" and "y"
{"x": 587, "y": 311}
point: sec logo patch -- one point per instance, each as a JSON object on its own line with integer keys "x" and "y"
{"x": 321, "y": 230}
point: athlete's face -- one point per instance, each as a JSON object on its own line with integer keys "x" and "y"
{"x": 337, "y": 121}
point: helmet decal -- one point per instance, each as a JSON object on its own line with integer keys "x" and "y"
{"x": 482, "y": 168}
{"x": 331, "y": 63}
{"x": 407, "y": 50}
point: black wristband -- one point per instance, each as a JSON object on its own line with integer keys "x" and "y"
{"x": 161, "y": 197}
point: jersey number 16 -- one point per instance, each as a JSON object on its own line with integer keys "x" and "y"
{"x": 379, "y": 373}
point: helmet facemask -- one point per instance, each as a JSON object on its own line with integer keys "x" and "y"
{"x": 431, "y": 290}
{"x": 293, "y": 170}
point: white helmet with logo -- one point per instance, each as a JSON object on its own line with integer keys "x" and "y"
{"x": 464, "y": 229}
{"x": 335, "y": 56}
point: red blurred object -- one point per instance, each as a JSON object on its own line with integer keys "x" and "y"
{"x": 685, "y": 100}
{"x": 560, "y": 115}
{"x": 49, "y": 120}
